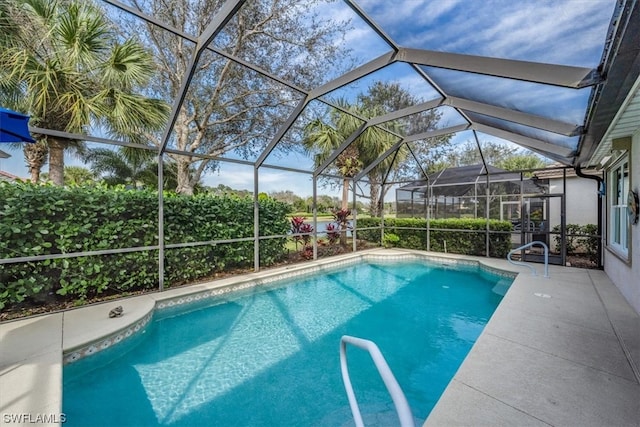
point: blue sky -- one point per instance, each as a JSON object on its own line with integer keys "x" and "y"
{"x": 569, "y": 32}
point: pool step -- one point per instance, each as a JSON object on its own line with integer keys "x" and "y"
{"x": 502, "y": 287}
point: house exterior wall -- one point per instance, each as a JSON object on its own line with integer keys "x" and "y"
{"x": 581, "y": 199}
{"x": 626, "y": 273}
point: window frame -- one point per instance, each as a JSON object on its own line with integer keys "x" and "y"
{"x": 618, "y": 226}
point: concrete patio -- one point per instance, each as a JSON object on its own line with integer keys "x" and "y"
{"x": 563, "y": 351}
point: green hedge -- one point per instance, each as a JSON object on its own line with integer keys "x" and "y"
{"x": 579, "y": 239}
{"x": 41, "y": 220}
{"x": 412, "y": 233}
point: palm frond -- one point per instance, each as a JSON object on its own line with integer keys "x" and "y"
{"x": 128, "y": 66}
{"x": 126, "y": 113}
{"x": 83, "y": 32}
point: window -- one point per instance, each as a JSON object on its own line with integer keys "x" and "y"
{"x": 618, "y": 218}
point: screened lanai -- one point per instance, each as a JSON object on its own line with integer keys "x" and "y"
{"x": 358, "y": 97}
{"x": 462, "y": 192}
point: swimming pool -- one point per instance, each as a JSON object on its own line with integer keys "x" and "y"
{"x": 269, "y": 355}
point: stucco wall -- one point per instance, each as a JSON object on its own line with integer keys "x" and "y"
{"x": 581, "y": 198}
{"x": 625, "y": 275}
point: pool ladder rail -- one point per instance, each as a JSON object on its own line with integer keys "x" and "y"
{"x": 533, "y": 269}
{"x": 399, "y": 399}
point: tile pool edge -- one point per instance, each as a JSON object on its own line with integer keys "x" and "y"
{"x": 214, "y": 289}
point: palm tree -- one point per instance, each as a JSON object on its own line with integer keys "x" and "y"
{"x": 133, "y": 167}
{"x": 63, "y": 61}
{"x": 123, "y": 166}
{"x": 78, "y": 175}
{"x": 321, "y": 139}
{"x": 74, "y": 175}
{"x": 35, "y": 155}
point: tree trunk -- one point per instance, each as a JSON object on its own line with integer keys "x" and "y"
{"x": 35, "y": 155}
{"x": 382, "y": 197}
{"x": 345, "y": 194}
{"x": 185, "y": 186}
{"x": 374, "y": 204}
{"x": 56, "y": 161}
{"x": 35, "y": 174}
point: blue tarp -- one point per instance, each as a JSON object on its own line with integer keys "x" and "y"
{"x": 14, "y": 127}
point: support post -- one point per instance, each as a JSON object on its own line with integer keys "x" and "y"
{"x": 354, "y": 212}
{"x": 160, "y": 223}
{"x": 429, "y": 195}
{"x": 563, "y": 217}
{"x": 314, "y": 209}
{"x": 488, "y": 217}
{"x": 256, "y": 222}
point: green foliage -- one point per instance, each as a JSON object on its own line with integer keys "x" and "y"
{"x": 412, "y": 234}
{"x": 390, "y": 240}
{"x": 68, "y": 67}
{"x": 591, "y": 242}
{"x": 45, "y": 219}
{"x": 579, "y": 238}
{"x": 518, "y": 162}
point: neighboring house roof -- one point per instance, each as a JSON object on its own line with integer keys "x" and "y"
{"x": 6, "y": 176}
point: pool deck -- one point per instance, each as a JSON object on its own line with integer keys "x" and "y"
{"x": 562, "y": 351}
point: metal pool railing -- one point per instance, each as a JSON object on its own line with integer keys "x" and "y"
{"x": 399, "y": 399}
{"x": 528, "y": 245}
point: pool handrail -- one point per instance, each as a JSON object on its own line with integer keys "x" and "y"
{"x": 398, "y": 397}
{"x": 528, "y": 245}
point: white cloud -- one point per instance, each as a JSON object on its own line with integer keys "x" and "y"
{"x": 544, "y": 31}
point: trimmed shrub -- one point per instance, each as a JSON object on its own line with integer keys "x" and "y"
{"x": 391, "y": 240}
{"x": 45, "y": 219}
{"x": 412, "y": 234}
{"x": 579, "y": 239}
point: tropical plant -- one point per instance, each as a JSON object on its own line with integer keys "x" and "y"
{"x": 123, "y": 166}
{"x": 132, "y": 167}
{"x": 323, "y": 138}
{"x": 301, "y": 231}
{"x": 341, "y": 217}
{"x": 74, "y": 175}
{"x": 35, "y": 156}
{"x": 77, "y": 175}
{"x": 387, "y": 97}
{"x": 62, "y": 62}
{"x": 333, "y": 233}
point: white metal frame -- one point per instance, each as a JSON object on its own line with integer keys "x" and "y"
{"x": 399, "y": 399}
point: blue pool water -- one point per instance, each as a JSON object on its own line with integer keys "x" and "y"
{"x": 270, "y": 357}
